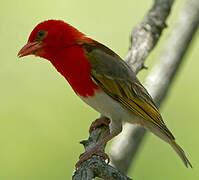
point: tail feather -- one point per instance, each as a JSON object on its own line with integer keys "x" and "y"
{"x": 169, "y": 139}
{"x": 181, "y": 153}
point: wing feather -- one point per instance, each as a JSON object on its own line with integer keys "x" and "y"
{"x": 116, "y": 78}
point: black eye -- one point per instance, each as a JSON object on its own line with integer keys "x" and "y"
{"x": 41, "y": 34}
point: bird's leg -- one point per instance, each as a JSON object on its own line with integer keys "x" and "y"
{"x": 98, "y": 122}
{"x": 95, "y": 150}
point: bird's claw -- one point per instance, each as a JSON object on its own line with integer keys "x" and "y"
{"x": 85, "y": 156}
{"x": 98, "y": 122}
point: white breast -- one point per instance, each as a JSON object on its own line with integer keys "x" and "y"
{"x": 110, "y": 108}
{"x": 104, "y": 104}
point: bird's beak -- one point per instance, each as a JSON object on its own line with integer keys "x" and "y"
{"x": 29, "y": 48}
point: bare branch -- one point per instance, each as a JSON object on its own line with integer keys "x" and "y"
{"x": 163, "y": 73}
{"x": 144, "y": 38}
{"x": 96, "y": 166}
{"x": 146, "y": 34}
{"x": 158, "y": 82}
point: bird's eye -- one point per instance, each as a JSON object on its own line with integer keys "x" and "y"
{"x": 41, "y": 34}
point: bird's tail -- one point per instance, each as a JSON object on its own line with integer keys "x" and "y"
{"x": 166, "y": 135}
{"x": 181, "y": 153}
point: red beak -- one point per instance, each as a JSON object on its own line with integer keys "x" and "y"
{"x": 29, "y": 48}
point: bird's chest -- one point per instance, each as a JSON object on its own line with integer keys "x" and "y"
{"x": 105, "y": 105}
{"x": 75, "y": 67}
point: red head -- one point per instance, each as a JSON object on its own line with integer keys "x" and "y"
{"x": 49, "y": 37}
{"x": 60, "y": 43}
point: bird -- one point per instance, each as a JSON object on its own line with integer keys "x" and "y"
{"x": 101, "y": 78}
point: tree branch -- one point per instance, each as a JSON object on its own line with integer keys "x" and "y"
{"x": 158, "y": 82}
{"x": 146, "y": 34}
{"x": 96, "y": 166}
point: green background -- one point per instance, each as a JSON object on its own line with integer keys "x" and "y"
{"x": 41, "y": 119}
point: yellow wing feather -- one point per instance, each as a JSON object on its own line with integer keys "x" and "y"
{"x": 117, "y": 80}
{"x": 115, "y": 77}
{"x": 134, "y": 97}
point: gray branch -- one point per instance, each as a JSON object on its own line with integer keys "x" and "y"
{"x": 144, "y": 38}
{"x": 146, "y": 34}
{"x": 96, "y": 166}
{"x": 158, "y": 82}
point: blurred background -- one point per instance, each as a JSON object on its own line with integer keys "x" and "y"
{"x": 42, "y": 121}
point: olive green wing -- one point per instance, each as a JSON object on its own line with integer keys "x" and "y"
{"x": 117, "y": 79}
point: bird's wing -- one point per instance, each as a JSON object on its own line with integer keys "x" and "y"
{"x": 117, "y": 79}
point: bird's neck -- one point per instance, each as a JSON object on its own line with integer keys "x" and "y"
{"x": 72, "y": 63}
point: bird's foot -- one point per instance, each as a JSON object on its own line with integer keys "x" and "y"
{"x": 99, "y": 122}
{"x": 85, "y": 156}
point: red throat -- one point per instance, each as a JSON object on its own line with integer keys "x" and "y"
{"x": 60, "y": 44}
{"x": 72, "y": 63}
